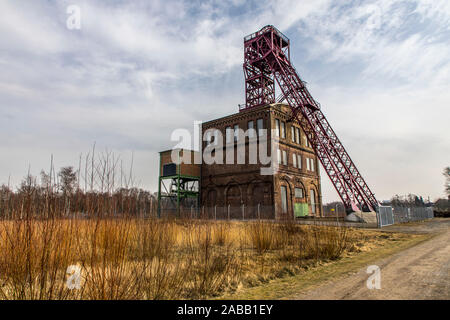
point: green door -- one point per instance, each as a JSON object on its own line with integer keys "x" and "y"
{"x": 300, "y": 210}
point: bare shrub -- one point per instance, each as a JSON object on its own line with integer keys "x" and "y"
{"x": 328, "y": 242}
{"x": 212, "y": 267}
{"x": 125, "y": 252}
{"x": 221, "y": 233}
{"x": 261, "y": 235}
{"x": 34, "y": 257}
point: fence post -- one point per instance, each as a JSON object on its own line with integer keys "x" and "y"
{"x": 228, "y": 212}
{"x": 243, "y": 212}
{"x": 378, "y": 218}
{"x": 215, "y": 212}
{"x": 259, "y": 212}
{"x": 337, "y": 216}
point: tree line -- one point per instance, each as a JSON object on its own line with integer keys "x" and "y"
{"x": 61, "y": 194}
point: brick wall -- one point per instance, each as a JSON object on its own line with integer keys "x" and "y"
{"x": 237, "y": 184}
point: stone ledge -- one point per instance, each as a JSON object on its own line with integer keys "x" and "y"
{"x": 363, "y": 217}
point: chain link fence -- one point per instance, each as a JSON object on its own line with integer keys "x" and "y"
{"x": 388, "y": 215}
{"x": 385, "y": 216}
{"x": 222, "y": 212}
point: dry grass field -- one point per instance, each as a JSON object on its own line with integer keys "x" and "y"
{"x": 80, "y": 236}
{"x": 136, "y": 258}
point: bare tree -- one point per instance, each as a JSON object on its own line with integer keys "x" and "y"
{"x": 408, "y": 200}
{"x": 45, "y": 180}
{"x": 68, "y": 180}
{"x": 5, "y": 192}
{"x": 447, "y": 180}
{"x": 28, "y": 185}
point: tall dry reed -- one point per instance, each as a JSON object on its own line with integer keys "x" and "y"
{"x": 106, "y": 243}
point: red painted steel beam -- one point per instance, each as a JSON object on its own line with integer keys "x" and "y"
{"x": 267, "y": 58}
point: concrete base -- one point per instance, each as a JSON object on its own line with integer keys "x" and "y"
{"x": 353, "y": 217}
{"x": 363, "y": 217}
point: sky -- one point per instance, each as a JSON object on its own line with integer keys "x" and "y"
{"x": 137, "y": 70}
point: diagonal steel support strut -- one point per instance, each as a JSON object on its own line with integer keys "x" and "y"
{"x": 266, "y": 61}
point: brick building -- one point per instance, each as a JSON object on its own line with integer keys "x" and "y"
{"x": 293, "y": 191}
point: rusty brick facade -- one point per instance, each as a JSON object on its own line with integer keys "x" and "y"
{"x": 235, "y": 185}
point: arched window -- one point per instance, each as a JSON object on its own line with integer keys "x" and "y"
{"x": 211, "y": 200}
{"x": 284, "y": 206}
{"x": 298, "y": 192}
{"x": 233, "y": 196}
{"x": 313, "y": 201}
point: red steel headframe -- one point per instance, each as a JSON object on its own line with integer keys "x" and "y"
{"x": 267, "y": 57}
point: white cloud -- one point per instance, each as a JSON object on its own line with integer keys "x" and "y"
{"x": 387, "y": 37}
{"x": 137, "y": 70}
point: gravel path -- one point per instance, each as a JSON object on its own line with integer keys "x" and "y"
{"x": 420, "y": 272}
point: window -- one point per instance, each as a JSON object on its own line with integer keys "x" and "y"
{"x": 308, "y": 144}
{"x": 236, "y": 132}
{"x": 228, "y": 133}
{"x": 283, "y": 199}
{"x": 310, "y": 164}
{"x": 284, "y": 157}
{"x": 299, "y": 193}
{"x": 313, "y": 201}
{"x": 279, "y": 156}
{"x": 293, "y": 133}
{"x": 251, "y": 129}
{"x": 283, "y": 130}
{"x": 277, "y": 127}
{"x": 294, "y": 160}
{"x": 260, "y": 126}
{"x": 299, "y": 161}
{"x": 297, "y": 135}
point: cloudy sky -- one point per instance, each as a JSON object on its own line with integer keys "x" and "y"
{"x": 137, "y": 70}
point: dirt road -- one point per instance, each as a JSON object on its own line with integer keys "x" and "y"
{"x": 420, "y": 272}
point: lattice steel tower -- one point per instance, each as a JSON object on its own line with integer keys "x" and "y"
{"x": 266, "y": 60}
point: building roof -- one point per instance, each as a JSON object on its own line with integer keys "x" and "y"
{"x": 178, "y": 149}
{"x": 243, "y": 111}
